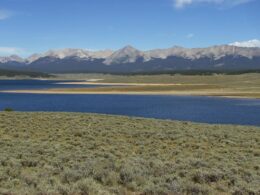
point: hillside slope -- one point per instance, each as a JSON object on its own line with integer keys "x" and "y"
{"x": 70, "y": 153}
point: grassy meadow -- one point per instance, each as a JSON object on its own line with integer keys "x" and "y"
{"x": 236, "y": 86}
{"x": 241, "y": 85}
{"x": 220, "y": 79}
{"x": 73, "y": 153}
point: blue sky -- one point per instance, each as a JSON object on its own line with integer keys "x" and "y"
{"x": 29, "y": 26}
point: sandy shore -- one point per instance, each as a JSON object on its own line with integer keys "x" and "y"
{"x": 125, "y": 84}
{"x": 179, "y": 93}
{"x": 120, "y": 88}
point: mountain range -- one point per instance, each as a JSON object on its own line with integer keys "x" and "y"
{"x": 131, "y": 60}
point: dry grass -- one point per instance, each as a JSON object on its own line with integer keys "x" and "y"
{"x": 237, "y": 86}
{"x": 245, "y": 85}
{"x": 71, "y": 153}
{"x": 220, "y": 79}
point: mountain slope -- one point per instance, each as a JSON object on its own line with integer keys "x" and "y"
{"x": 127, "y": 54}
{"x": 129, "y": 59}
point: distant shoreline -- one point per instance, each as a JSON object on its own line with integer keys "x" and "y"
{"x": 174, "y": 93}
{"x": 230, "y": 86}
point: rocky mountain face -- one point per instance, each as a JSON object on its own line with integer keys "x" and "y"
{"x": 65, "y": 53}
{"x": 127, "y": 54}
{"x": 12, "y": 58}
{"x": 129, "y": 59}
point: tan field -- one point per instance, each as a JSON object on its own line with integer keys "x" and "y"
{"x": 236, "y": 86}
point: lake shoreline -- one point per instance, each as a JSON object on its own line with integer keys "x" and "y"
{"x": 199, "y": 103}
{"x": 175, "y": 93}
{"x": 125, "y": 93}
{"x": 246, "y": 86}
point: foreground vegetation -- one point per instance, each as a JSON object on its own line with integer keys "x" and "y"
{"x": 70, "y": 153}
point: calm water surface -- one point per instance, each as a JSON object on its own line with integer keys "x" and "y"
{"x": 39, "y": 84}
{"x": 190, "y": 108}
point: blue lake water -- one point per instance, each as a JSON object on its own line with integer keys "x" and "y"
{"x": 39, "y": 84}
{"x": 187, "y": 108}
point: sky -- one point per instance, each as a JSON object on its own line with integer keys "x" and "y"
{"x": 34, "y": 26}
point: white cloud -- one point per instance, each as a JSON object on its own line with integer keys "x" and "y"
{"x": 12, "y": 51}
{"x": 184, "y": 3}
{"x": 250, "y": 43}
{"x": 4, "y": 14}
{"x": 189, "y": 36}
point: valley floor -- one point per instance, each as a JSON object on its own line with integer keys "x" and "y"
{"x": 73, "y": 153}
{"x": 236, "y": 86}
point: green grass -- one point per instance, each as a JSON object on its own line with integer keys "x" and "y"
{"x": 252, "y": 79}
{"x": 72, "y": 153}
{"x": 8, "y": 109}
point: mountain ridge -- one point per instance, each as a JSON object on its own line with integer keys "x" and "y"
{"x": 130, "y": 59}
